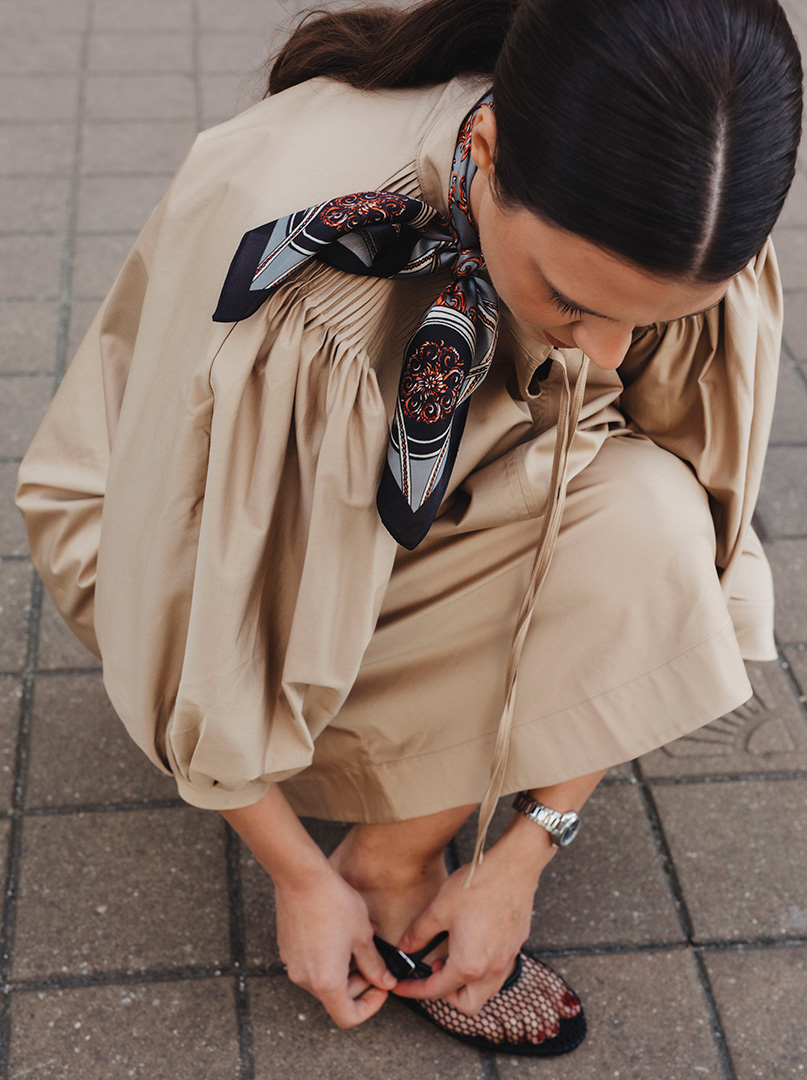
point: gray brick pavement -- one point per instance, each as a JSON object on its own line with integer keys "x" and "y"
{"x": 136, "y": 935}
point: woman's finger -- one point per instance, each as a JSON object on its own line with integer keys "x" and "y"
{"x": 421, "y": 931}
{"x": 370, "y": 963}
{"x": 438, "y": 985}
{"x": 347, "y": 1013}
{"x": 357, "y": 985}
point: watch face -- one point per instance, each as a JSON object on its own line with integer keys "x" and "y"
{"x": 569, "y": 830}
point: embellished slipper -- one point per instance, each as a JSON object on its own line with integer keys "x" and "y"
{"x": 535, "y": 1014}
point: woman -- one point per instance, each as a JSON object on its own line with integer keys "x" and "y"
{"x": 561, "y": 296}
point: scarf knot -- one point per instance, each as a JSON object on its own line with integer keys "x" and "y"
{"x": 386, "y": 234}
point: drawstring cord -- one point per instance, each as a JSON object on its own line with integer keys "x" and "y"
{"x": 569, "y": 415}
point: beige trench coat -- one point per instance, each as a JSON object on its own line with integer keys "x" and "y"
{"x": 200, "y": 497}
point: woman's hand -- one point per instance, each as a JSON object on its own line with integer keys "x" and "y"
{"x": 325, "y": 939}
{"x": 323, "y": 929}
{"x": 487, "y": 923}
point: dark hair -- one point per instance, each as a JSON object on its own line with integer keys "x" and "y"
{"x": 664, "y": 130}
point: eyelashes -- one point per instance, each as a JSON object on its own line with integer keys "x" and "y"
{"x": 563, "y": 306}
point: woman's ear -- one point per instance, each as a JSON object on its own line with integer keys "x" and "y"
{"x": 483, "y": 140}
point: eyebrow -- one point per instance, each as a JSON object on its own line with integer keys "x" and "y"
{"x": 609, "y": 318}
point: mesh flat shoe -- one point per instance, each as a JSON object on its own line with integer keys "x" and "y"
{"x": 535, "y": 1014}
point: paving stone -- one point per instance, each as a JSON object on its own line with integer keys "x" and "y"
{"x": 797, "y": 658}
{"x": 58, "y": 646}
{"x": 118, "y": 203}
{"x": 56, "y": 15}
{"x": 258, "y": 894}
{"x": 136, "y": 146}
{"x": 767, "y": 734}
{"x": 236, "y": 53}
{"x": 293, "y": 1037}
{"x": 795, "y": 326}
{"x": 151, "y": 1031}
{"x": 10, "y": 701}
{"x": 38, "y": 97}
{"x": 33, "y": 203}
{"x": 80, "y": 751}
{"x": 13, "y": 536}
{"x": 783, "y": 498}
{"x": 140, "y": 97}
{"x": 727, "y": 842}
{"x": 30, "y": 267}
{"x": 788, "y": 559}
{"x": 29, "y": 332}
{"x": 224, "y": 96}
{"x": 607, "y": 888}
{"x": 23, "y": 401}
{"x": 254, "y": 16}
{"x": 795, "y": 209}
{"x": 790, "y": 415}
{"x": 39, "y": 52}
{"x": 97, "y": 262}
{"x": 134, "y": 52}
{"x": 144, "y": 15}
{"x": 146, "y": 889}
{"x": 646, "y": 1016}
{"x": 791, "y": 251}
{"x": 15, "y": 600}
{"x": 760, "y": 996}
{"x": 42, "y": 148}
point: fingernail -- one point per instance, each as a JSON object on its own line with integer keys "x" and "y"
{"x": 389, "y": 979}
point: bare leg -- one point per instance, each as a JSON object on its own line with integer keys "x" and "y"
{"x": 398, "y": 868}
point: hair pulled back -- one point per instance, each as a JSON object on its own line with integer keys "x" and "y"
{"x": 664, "y": 130}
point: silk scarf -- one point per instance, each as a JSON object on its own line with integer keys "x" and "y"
{"x": 385, "y": 234}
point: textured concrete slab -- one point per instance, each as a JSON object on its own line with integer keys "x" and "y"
{"x": 118, "y": 203}
{"x": 788, "y": 559}
{"x": 783, "y": 499}
{"x": 647, "y": 1017}
{"x": 23, "y": 401}
{"x": 795, "y": 332}
{"x": 38, "y": 98}
{"x": 15, "y": 596}
{"x": 293, "y": 1037}
{"x": 739, "y": 851}
{"x": 791, "y": 250}
{"x": 58, "y": 646}
{"x": 33, "y": 204}
{"x": 140, "y": 97}
{"x": 790, "y": 415}
{"x": 151, "y": 1031}
{"x": 80, "y": 752}
{"x": 137, "y": 146}
{"x": 112, "y": 52}
{"x": 767, "y": 734}
{"x": 40, "y": 149}
{"x": 146, "y": 15}
{"x": 797, "y": 658}
{"x": 10, "y": 702}
{"x": 29, "y": 331}
{"x": 761, "y": 996}
{"x": 609, "y": 887}
{"x": 121, "y": 892}
{"x": 13, "y": 535}
{"x": 97, "y": 262}
{"x": 36, "y": 50}
{"x": 30, "y": 266}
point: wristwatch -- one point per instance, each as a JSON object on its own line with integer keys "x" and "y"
{"x": 562, "y": 828}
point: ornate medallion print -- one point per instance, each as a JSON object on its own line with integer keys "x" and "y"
{"x": 363, "y": 208}
{"x": 431, "y": 383}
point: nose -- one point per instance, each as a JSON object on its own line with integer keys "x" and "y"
{"x": 605, "y": 343}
